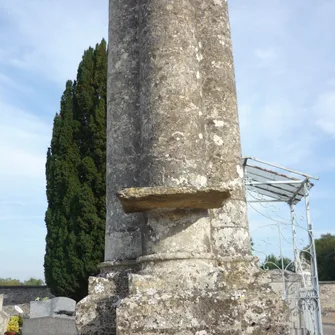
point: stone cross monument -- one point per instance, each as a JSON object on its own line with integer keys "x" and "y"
{"x": 177, "y": 257}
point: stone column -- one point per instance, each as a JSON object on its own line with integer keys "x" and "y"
{"x": 174, "y": 163}
{"x": 196, "y": 270}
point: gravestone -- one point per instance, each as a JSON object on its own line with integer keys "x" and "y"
{"x": 177, "y": 254}
{"x": 4, "y": 317}
{"x": 51, "y": 317}
{"x": 48, "y": 326}
{"x": 56, "y": 307}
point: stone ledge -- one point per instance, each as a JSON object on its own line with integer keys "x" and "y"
{"x": 120, "y": 264}
{"x": 175, "y": 256}
{"x": 148, "y": 198}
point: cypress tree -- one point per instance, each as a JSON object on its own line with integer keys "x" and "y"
{"x": 75, "y": 171}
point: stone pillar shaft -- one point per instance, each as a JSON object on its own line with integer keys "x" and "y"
{"x": 230, "y": 235}
{"x": 177, "y": 231}
{"x": 172, "y": 128}
{"x": 123, "y": 239}
{"x": 172, "y": 116}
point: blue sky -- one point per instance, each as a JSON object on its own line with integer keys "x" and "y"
{"x": 284, "y": 59}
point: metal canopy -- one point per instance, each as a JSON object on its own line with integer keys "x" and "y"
{"x": 280, "y": 184}
{"x": 267, "y": 182}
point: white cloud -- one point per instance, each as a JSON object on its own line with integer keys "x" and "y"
{"x": 275, "y": 132}
{"x": 265, "y": 54}
{"x": 269, "y": 59}
{"x": 24, "y": 140}
{"x": 325, "y": 113}
{"x": 48, "y": 37}
{"x": 281, "y": 68}
{"x": 5, "y": 80}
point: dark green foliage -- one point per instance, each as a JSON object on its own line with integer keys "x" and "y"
{"x": 75, "y": 172}
{"x": 325, "y": 256}
{"x": 274, "y": 263}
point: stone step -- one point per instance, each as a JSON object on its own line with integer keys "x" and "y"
{"x": 202, "y": 313}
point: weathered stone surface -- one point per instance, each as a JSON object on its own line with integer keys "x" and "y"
{"x": 172, "y": 119}
{"x": 123, "y": 128}
{"x": 177, "y": 231}
{"x": 183, "y": 286}
{"x": 201, "y": 295}
{"x": 327, "y": 293}
{"x": 173, "y": 123}
{"x": 198, "y": 274}
{"x": 204, "y": 312}
{"x": 4, "y": 317}
{"x": 146, "y": 198}
{"x": 129, "y": 241}
{"x": 96, "y": 313}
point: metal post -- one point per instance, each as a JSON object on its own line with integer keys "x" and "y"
{"x": 294, "y": 233}
{"x": 314, "y": 267}
{"x": 285, "y": 295}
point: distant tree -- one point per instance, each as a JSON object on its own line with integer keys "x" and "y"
{"x": 272, "y": 262}
{"x": 75, "y": 172}
{"x": 10, "y": 282}
{"x": 325, "y": 256}
{"x": 33, "y": 282}
{"x": 17, "y": 282}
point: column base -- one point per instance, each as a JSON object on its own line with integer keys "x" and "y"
{"x": 202, "y": 313}
{"x": 232, "y": 299}
{"x": 96, "y": 313}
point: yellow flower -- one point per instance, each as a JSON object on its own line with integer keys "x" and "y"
{"x": 13, "y": 324}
